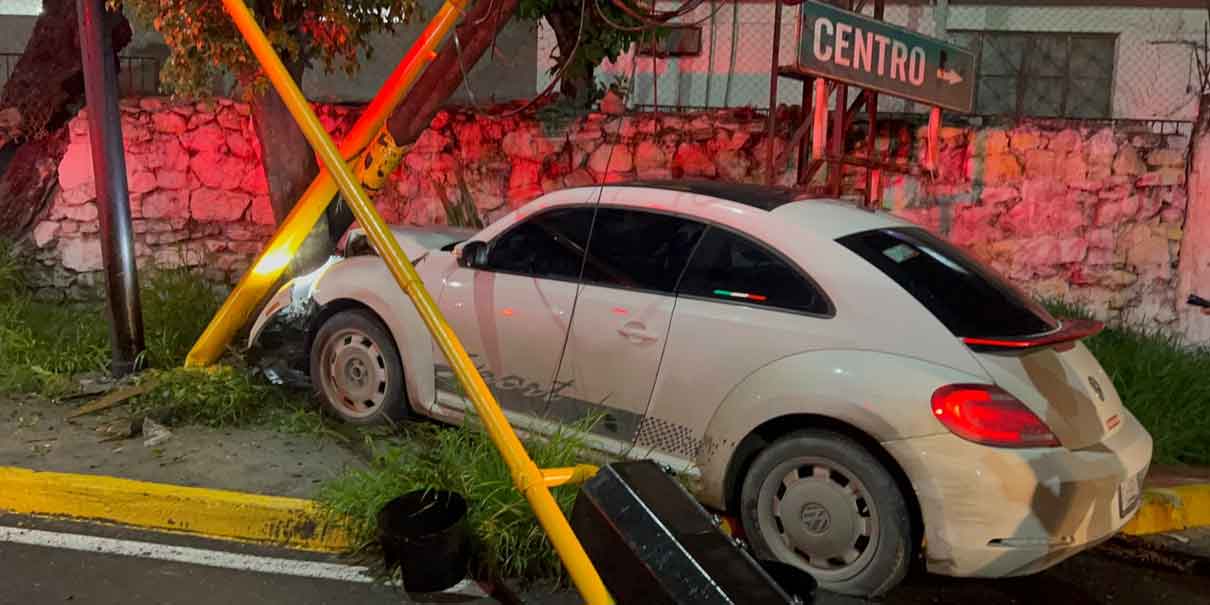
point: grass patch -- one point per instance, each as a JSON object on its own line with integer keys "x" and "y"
{"x": 42, "y": 345}
{"x": 1164, "y": 384}
{"x": 220, "y": 396}
{"x": 462, "y": 459}
{"x": 177, "y": 306}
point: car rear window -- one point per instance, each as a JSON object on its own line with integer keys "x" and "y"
{"x": 971, "y": 299}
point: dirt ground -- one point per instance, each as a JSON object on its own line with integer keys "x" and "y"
{"x": 36, "y": 434}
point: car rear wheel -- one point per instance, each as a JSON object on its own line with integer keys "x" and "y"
{"x": 356, "y": 371}
{"x": 820, "y": 501}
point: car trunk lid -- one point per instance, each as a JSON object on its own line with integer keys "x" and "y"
{"x": 1026, "y": 351}
{"x": 1064, "y": 385}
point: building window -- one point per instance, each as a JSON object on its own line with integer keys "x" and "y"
{"x": 1043, "y": 74}
{"x": 675, "y": 41}
{"x": 21, "y": 7}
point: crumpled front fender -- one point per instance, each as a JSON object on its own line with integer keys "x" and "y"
{"x": 279, "y": 341}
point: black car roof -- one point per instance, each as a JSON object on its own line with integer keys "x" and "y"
{"x": 764, "y": 197}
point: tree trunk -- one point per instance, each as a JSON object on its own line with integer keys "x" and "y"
{"x": 442, "y": 78}
{"x": 476, "y": 32}
{"x": 1194, "y": 269}
{"x": 32, "y": 175}
{"x": 578, "y": 80}
{"x": 45, "y": 89}
{"x": 289, "y": 162}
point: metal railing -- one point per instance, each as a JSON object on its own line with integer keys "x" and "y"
{"x": 137, "y": 76}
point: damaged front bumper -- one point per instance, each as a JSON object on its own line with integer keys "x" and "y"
{"x": 279, "y": 342}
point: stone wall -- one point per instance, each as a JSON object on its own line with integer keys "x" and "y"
{"x": 1092, "y": 215}
{"x": 198, "y": 196}
{"x": 1087, "y": 213}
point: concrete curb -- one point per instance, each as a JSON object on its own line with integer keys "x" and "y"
{"x": 300, "y": 524}
{"x": 1171, "y": 509}
{"x": 287, "y": 522}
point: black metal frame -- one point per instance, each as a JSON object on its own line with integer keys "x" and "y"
{"x": 842, "y": 121}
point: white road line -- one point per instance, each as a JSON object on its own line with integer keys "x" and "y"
{"x": 184, "y": 554}
{"x": 208, "y": 558}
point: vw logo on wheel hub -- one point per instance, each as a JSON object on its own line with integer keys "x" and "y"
{"x": 816, "y": 518}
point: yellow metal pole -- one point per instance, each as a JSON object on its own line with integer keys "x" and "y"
{"x": 573, "y": 475}
{"x": 254, "y": 285}
{"x": 526, "y": 475}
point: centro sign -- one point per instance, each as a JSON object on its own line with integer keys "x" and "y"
{"x": 851, "y": 48}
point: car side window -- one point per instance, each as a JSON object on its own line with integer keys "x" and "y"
{"x": 728, "y": 266}
{"x": 640, "y": 250}
{"x": 549, "y": 244}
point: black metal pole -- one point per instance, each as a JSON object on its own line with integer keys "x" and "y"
{"x": 113, "y": 198}
{"x": 775, "y": 64}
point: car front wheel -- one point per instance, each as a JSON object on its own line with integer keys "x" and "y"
{"x": 820, "y": 501}
{"x": 356, "y": 371}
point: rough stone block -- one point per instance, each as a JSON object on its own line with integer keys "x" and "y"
{"x": 169, "y": 122}
{"x": 80, "y": 253}
{"x": 692, "y": 160}
{"x": 215, "y": 205}
{"x": 45, "y": 233}
{"x": 1127, "y": 162}
{"x": 1001, "y": 169}
{"x": 75, "y": 169}
{"x": 648, "y": 156}
{"x": 262, "y": 210}
{"x": 1040, "y": 163}
{"x": 141, "y": 182}
{"x": 1166, "y": 157}
{"x": 1026, "y": 139}
{"x": 166, "y": 204}
{"x": 1066, "y": 141}
{"x": 611, "y": 159}
{"x": 207, "y": 137}
{"x": 1146, "y": 245}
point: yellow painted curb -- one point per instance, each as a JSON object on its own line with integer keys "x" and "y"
{"x": 288, "y": 522}
{"x": 1171, "y": 509}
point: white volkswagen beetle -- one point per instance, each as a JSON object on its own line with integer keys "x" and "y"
{"x": 855, "y": 390}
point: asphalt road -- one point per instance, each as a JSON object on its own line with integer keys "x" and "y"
{"x": 35, "y": 574}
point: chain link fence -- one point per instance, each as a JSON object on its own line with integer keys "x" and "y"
{"x": 1087, "y": 63}
{"x": 137, "y": 76}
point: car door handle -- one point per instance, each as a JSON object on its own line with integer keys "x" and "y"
{"x": 637, "y": 334}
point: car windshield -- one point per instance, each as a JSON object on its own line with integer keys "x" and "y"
{"x": 968, "y": 297}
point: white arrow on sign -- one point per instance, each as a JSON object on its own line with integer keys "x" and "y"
{"x": 949, "y": 76}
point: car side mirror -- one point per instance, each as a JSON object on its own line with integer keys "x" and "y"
{"x": 473, "y": 255}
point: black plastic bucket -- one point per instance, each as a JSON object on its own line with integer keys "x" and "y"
{"x": 425, "y": 534}
{"x": 796, "y": 582}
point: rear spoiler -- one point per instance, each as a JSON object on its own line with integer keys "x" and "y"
{"x": 1070, "y": 330}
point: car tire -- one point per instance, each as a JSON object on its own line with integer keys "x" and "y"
{"x": 356, "y": 370}
{"x": 850, "y": 526}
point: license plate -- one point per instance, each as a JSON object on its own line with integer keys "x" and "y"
{"x": 1128, "y": 496}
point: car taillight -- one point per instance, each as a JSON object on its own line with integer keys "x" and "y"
{"x": 987, "y": 415}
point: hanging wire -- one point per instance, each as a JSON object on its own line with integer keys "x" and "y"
{"x": 710, "y": 57}
{"x": 549, "y": 87}
{"x": 734, "y": 40}
{"x": 647, "y": 26}
{"x": 653, "y": 17}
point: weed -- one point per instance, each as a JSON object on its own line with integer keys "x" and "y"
{"x": 12, "y": 270}
{"x": 220, "y": 396}
{"x": 177, "y": 305}
{"x": 1162, "y": 382}
{"x": 42, "y": 345}
{"x": 461, "y": 212}
{"x": 463, "y": 460}
{"x": 298, "y": 419}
